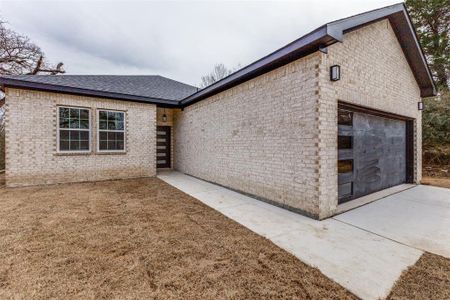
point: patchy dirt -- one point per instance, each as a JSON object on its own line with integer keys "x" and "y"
{"x": 429, "y": 278}
{"x": 441, "y": 170}
{"x": 441, "y": 182}
{"x": 139, "y": 239}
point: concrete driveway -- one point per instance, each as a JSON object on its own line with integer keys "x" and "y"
{"x": 418, "y": 217}
{"x": 364, "y": 250}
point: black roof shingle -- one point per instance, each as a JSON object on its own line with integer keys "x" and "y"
{"x": 146, "y": 86}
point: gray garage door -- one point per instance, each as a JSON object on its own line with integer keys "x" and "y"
{"x": 372, "y": 153}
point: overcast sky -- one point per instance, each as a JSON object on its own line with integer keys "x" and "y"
{"x": 181, "y": 40}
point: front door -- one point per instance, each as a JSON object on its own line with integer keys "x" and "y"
{"x": 163, "y": 147}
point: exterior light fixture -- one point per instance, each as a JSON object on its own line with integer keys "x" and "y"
{"x": 164, "y": 116}
{"x": 335, "y": 73}
{"x": 420, "y": 105}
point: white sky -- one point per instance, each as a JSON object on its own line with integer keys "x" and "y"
{"x": 181, "y": 40}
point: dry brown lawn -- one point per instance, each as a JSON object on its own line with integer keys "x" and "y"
{"x": 437, "y": 181}
{"x": 429, "y": 278}
{"x": 143, "y": 239}
{"x": 139, "y": 239}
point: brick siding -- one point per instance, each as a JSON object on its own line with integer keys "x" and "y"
{"x": 31, "y": 150}
{"x": 275, "y": 136}
{"x": 374, "y": 74}
{"x": 259, "y": 137}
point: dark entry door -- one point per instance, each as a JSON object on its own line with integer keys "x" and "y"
{"x": 163, "y": 147}
{"x": 372, "y": 153}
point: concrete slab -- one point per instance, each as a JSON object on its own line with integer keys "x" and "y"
{"x": 418, "y": 217}
{"x": 364, "y": 263}
{"x": 372, "y": 197}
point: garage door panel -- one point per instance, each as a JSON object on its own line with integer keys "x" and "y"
{"x": 378, "y": 153}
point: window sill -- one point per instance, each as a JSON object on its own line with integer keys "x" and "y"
{"x": 72, "y": 153}
{"x": 110, "y": 153}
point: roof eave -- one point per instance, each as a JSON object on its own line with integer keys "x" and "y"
{"x": 398, "y": 15}
{"x": 23, "y": 84}
{"x": 326, "y": 35}
{"x": 301, "y": 47}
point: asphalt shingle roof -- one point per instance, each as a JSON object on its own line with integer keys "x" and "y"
{"x": 151, "y": 86}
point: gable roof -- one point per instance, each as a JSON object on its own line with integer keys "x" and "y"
{"x": 169, "y": 93}
{"x": 152, "y": 88}
{"x": 327, "y": 35}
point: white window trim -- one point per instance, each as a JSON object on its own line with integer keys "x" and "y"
{"x": 107, "y": 130}
{"x": 73, "y": 129}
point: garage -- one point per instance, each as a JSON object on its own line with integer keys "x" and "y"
{"x": 374, "y": 151}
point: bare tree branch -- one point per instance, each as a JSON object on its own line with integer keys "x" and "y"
{"x": 18, "y": 55}
{"x": 219, "y": 72}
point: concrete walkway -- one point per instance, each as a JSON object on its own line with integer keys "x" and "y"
{"x": 344, "y": 248}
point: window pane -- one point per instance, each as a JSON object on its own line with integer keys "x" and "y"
{"x": 111, "y": 115}
{"x": 103, "y": 125}
{"x": 74, "y": 123}
{"x": 345, "y": 166}
{"x": 64, "y": 135}
{"x": 111, "y": 125}
{"x": 84, "y": 114}
{"x": 63, "y": 113}
{"x": 119, "y": 125}
{"x": 345, "y": 117}
{"x": 84, "y": 124}
{"x": 120, "y": 116}
{"x": 75, "y": 113}
{"x": 64, "y": 146}
{"x": 74, "y": 145}
{"x": 74, "y": 135}
{"x": 103, "y": 145}
{"x": 64, "y": 123}
{"x": 84, "y": 145}
{"x": 344, "y": 142}
{"x": 120, "y": 145}
{"x": 103, "y": 115}
{"x": 119, "y": 136}
{"x": 103, "y": 136}
{"x": 84, "y": 135}
{"x": 111, "y": 145}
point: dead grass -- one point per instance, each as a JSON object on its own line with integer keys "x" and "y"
{"x": 437, "y": 181}
{"x": 429, "y": 278}
{"x": 139, "y": 239}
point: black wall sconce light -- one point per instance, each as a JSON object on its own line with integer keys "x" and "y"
{"x": 335, "y": 73}
{"x": 164, "y": 116}
{"x": 420, "y": 105}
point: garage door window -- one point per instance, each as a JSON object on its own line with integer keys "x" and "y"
{"x": 345, "y": 155}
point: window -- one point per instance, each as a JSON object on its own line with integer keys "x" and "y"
{"x": 344, "y": 142}
{"x": 73, "y": 129}
{"x": 345, "y": 166}
{"x": 345, "y": 117}
{"x": 111, "y": 131}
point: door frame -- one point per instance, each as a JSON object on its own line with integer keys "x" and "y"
{"x": 409, "y": 133}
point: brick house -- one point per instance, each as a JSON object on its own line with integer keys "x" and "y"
{"x": 329, "y": 118}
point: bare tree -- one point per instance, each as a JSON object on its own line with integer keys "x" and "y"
{"x": 18, "y": 55}
{"x": 219, "y": 72}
